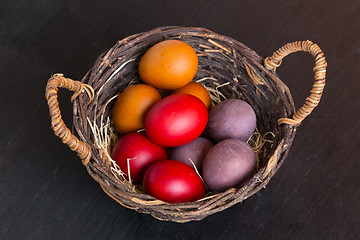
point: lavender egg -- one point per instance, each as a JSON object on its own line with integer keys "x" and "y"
{"x": 231, "y": 118}
{"x": 230, "y": 163}
{"x": 195, "y": 150}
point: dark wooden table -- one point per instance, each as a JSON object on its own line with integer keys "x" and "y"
{"x": 46, "y": 193}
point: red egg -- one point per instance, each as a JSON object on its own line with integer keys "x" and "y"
{"x": 134, "y": 152}
{"x": 173, "y": 181}
{"x": 176, "y": 120}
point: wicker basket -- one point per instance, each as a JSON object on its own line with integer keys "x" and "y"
{"x": 224, "y": 62}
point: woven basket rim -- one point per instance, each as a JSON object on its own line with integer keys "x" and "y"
{"x": 202, "y": 208}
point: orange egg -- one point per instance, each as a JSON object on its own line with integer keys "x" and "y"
{"x": 198, "y": 90}
{"x": 169, "y": 65}
{"x": 132, "y": 105}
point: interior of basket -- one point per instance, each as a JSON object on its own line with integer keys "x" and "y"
{"x": 226, "y": 66}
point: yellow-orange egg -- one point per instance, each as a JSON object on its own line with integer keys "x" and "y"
{"x": 168, "y": 65}
{"x": 132, "y": 105}
{"x": 198, "y": 90}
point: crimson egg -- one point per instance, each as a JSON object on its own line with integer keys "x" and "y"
{"x": 173, "y": 181}
{"x": 134, "y": 152}
{"x": 176, "y": 120}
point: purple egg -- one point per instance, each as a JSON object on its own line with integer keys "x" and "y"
{"x": 230, "y": 163}
{"x": 231, "y": 118}
{"x": 195, "y": 150}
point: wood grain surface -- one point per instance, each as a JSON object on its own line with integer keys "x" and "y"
{"x": 45, "y": 191}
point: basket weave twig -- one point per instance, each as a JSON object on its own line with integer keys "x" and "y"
{"x": 221, "y": 60}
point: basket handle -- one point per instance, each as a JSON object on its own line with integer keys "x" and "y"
{"x": 271, "y": 63}
{"x": 57, "y": 124}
